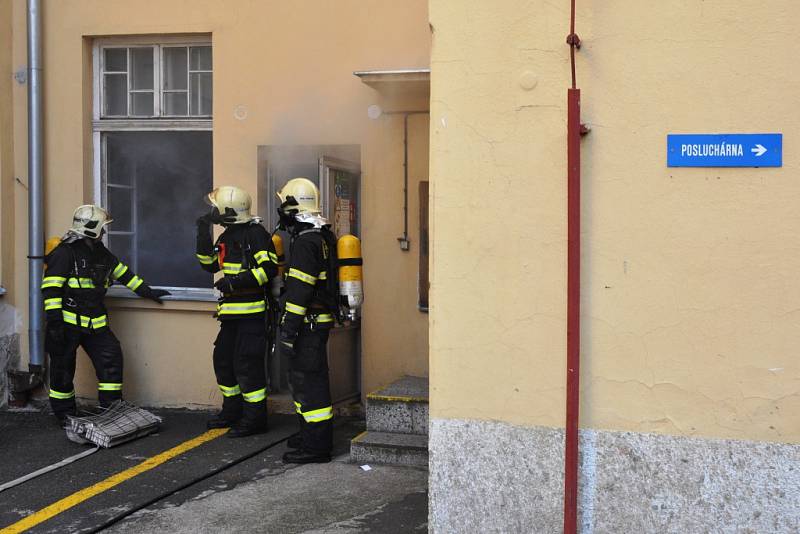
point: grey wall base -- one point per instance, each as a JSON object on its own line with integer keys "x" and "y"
{"x": 9, "y": 359}
{"x": 490, "y": 476}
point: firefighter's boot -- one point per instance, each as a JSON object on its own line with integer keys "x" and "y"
{"x": 303, "y": 456}
{"x": 62, "y": 416}
{"x": 230, "y": 414}
{"x": 253, "y": 420}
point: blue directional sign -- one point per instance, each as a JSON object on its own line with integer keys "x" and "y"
{"x": 725, "y": 150}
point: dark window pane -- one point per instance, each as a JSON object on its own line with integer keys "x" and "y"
{"x": 142, "y": 104}
{"x": 175, "y": 104}
{"x": 175, "y": 71}
{"x": 122, "y": 246}
{"x": 173, "y": 174}
{"x": 141, "y": 68}
{"x": 120, "y": 205}
{"x": 116, "y": 60}
{"x": 200, "y": 58}
{"x": 116, "y": 94}
{"x": 200, "y": 93}
{"x": 121, "y": 168}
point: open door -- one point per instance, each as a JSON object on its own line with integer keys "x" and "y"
{"x": 337, "y": 172}
{"x": 340, "y": 188}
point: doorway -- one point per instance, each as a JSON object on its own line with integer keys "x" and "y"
{"x": 336, "y": 170}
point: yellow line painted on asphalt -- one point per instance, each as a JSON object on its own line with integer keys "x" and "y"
{"x": 87, "y": 493}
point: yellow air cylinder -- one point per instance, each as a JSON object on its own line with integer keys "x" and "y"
{"x": 51, "y": 244}
{"x": 277, "y": 282}
{"x": 351, "y": 289}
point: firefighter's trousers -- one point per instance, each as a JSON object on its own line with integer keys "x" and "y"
{"x": 105, "y": 352}
{"x": 240, "y": 364}
{"x": 310, "y": 385}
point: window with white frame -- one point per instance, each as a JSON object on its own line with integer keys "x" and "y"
{"x": 152, "y": 134}
{"x": 156, "y": 81}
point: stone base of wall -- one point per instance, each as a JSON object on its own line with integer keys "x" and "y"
{"x": 488, "y": 476}
{"x": 9, "y": 359}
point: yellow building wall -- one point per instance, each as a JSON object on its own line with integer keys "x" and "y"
{"x": 6, "y": 146}
{"x": 397, "y": 332}
{"x": 287, "y": 68}
{"x": 689, "y": 291}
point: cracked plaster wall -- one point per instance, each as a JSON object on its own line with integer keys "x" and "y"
{"x": 690, "y": 295}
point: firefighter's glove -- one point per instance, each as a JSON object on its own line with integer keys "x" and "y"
{"x": 228, "y": 284}
{"x": 154, "y": 294}
{"x": 54, "y": 336}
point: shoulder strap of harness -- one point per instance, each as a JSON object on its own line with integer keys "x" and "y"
{"x": 332, "y": 282}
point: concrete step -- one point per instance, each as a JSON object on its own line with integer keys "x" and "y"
{"x": 389, "y": 448}
{"x": 401, "y": 407}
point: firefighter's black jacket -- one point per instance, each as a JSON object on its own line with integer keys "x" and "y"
{"x": 309, "y": 297}
{"x": 79, "y": 272}
{"x": 244, "y": 252}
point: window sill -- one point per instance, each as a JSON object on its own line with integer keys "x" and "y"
{"x": 185, "y": 299}
{"x": 148, "y": 125}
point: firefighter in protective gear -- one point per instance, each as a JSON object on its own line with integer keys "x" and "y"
{"x": 309, "y": 305}
{"x": 246, "y": 256}
{"x": 79, "y": 271}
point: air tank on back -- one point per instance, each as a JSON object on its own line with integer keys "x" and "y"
{"x": 351, "y": 290}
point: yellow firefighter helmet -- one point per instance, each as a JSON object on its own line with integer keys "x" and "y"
{"x": 299, "y": 194}
{"x": 232, "y": 203}
{"x": 89, "y": 220}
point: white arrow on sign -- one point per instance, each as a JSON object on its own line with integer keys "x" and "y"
{"x": 758, "y": 150}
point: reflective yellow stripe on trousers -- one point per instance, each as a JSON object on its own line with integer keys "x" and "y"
{"x": 229, "y": 391}
{"x": 317, "y": 416}
{"x": 61, "y": 396}
{"x": 255, "y": 396}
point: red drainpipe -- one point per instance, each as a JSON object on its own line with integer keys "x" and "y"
{"x": 574, "y": 131}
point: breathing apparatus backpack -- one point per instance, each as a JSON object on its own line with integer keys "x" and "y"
{"x": 343, "y": 294}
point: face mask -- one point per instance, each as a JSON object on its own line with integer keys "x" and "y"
{"x": 286, "y": 213}
{"x": 285, "y": 220}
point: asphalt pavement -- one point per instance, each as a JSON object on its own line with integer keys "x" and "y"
{"x": 228, "y": 485}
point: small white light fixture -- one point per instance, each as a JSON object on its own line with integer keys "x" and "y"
{"x": 374, "y": 111}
